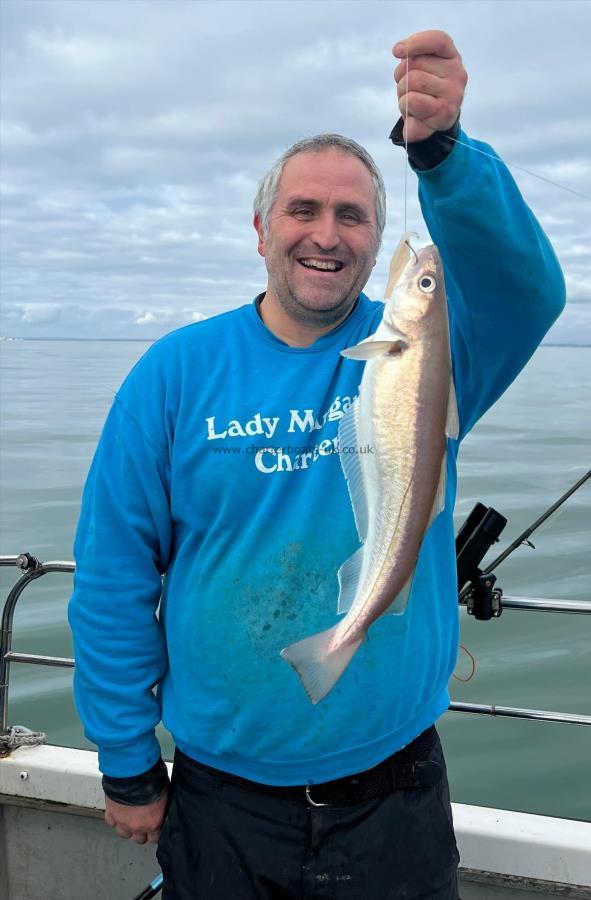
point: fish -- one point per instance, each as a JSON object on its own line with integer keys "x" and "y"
{"x": 405, "y": 410}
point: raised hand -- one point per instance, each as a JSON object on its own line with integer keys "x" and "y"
{"x": 434, "y": 86}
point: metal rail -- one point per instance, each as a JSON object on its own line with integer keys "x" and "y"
{"x": 32, "y": 569}
{"x": 539, "y": 603}
{"x": 512, "y": 712}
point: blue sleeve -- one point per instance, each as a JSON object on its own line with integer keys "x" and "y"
{"x": 121, "y": 550}
{"x": 504, "y": 284}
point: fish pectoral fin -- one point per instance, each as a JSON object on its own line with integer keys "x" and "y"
{"x": 317, "y": 668}
{"x": 349, "y": 575}
{"x": 369, "y": 349}
{"x": 400, "y": 602}
{"x": 452, "y": 424}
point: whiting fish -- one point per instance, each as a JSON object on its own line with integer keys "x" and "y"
{"x": 405, "y": 410}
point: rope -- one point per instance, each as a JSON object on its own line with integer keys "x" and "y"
{"x": 19, "y": 736}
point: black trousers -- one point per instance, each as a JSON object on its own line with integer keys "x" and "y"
{"x": 221, "y": 841}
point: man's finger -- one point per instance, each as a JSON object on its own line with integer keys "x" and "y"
{"x": 432, "y": 64}
{"x": 122, "y": 832}
{"x": 139, "y": 838}
{"x": 435, "y": 114}
{"x": 422, "y": 83}
{"x": 435, "y": 43}
{"x": 422, "y": 107}
{"x": 153, "y": 837}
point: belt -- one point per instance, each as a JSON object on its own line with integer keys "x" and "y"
{"x": 404, "y": 770}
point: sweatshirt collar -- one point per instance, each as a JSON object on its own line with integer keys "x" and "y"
{"x": 337, "y": 335}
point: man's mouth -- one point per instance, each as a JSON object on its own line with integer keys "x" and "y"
{"x": 321, "y": 265}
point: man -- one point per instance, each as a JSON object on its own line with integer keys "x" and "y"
{"x": 218, "y": 467}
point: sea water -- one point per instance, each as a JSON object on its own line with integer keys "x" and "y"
{"x": 527, "y": 451}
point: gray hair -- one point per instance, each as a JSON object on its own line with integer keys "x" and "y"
{"x": 269, "y": 184}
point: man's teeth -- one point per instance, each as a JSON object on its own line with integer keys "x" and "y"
{"x": 327, "y": 265}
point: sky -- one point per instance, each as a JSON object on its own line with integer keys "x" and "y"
{"x": 134, "y": 134}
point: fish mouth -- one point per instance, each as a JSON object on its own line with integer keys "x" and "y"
{"x": 323, "y": 266}
{"x": 428, "y": 256}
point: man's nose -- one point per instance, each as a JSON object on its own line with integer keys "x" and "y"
{"x": 325, "y": 232}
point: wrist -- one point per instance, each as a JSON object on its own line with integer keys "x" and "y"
{"x": 429, "y": 153}
{"x": 138, "y": 790}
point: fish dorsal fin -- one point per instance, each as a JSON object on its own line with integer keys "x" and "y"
{"x": 452, "y": 424}
{"x": 401, "y": 257}
{"x": 369, "y": 349}
{"x": 350, "y": 458}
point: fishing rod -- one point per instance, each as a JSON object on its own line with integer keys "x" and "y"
{"x": 476, "y": 536}
{"x": 152, "y": 889}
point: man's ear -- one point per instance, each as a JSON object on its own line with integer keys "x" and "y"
{"x": 259, "y": 230}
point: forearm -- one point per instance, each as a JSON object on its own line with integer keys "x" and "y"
{"x": 120, "y": 656}
{"x": 505, "y": 286}
{"x": 122, "y": 546}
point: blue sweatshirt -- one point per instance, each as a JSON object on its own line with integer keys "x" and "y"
{"x": 217, "y": 469}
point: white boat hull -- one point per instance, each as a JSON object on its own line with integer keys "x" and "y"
{"x": 54, "y": 844}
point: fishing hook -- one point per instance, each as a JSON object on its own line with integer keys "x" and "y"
{"x": 410, "y": 247}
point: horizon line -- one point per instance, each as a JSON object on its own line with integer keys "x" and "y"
{"x": 5, "y": 337}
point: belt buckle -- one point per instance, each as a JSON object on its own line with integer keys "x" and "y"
{"x": 309, "y": 798}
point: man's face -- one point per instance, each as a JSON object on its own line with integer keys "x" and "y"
{"x": 322, "y": 237}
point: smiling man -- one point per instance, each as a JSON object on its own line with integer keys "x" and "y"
{"x": 218, "y": 469}
{"x": 321, "y": 237}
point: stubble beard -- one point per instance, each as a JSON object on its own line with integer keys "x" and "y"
{"x": 304, "y": 311}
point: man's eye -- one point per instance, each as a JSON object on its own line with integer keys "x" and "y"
{"x": 350, "y": 217}
{"x": 303, "y": 213}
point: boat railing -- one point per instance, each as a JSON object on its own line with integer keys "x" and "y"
{"x": 32, "y": 569}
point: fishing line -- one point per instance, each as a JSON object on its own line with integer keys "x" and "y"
{"x": 551, "y": 520}
{"x": 502, "y": 161}
{"x": 521, "y": 168}
{"x": 406, "y": 151}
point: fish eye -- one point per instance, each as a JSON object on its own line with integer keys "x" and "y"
{"x": 427, "y": 284}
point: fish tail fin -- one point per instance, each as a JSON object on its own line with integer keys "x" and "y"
{"x": 318, "y": 667}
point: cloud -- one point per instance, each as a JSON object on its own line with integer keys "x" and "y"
{"x": 133, "y": 143}
{"x": 146, "y": 318}
{"x": 40, "y": 314}
{"x": 168, "y": 317}
{"x": 46, "y": 320}
{"x": 578, "y": 286}
{"x": 575, "y": 319}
